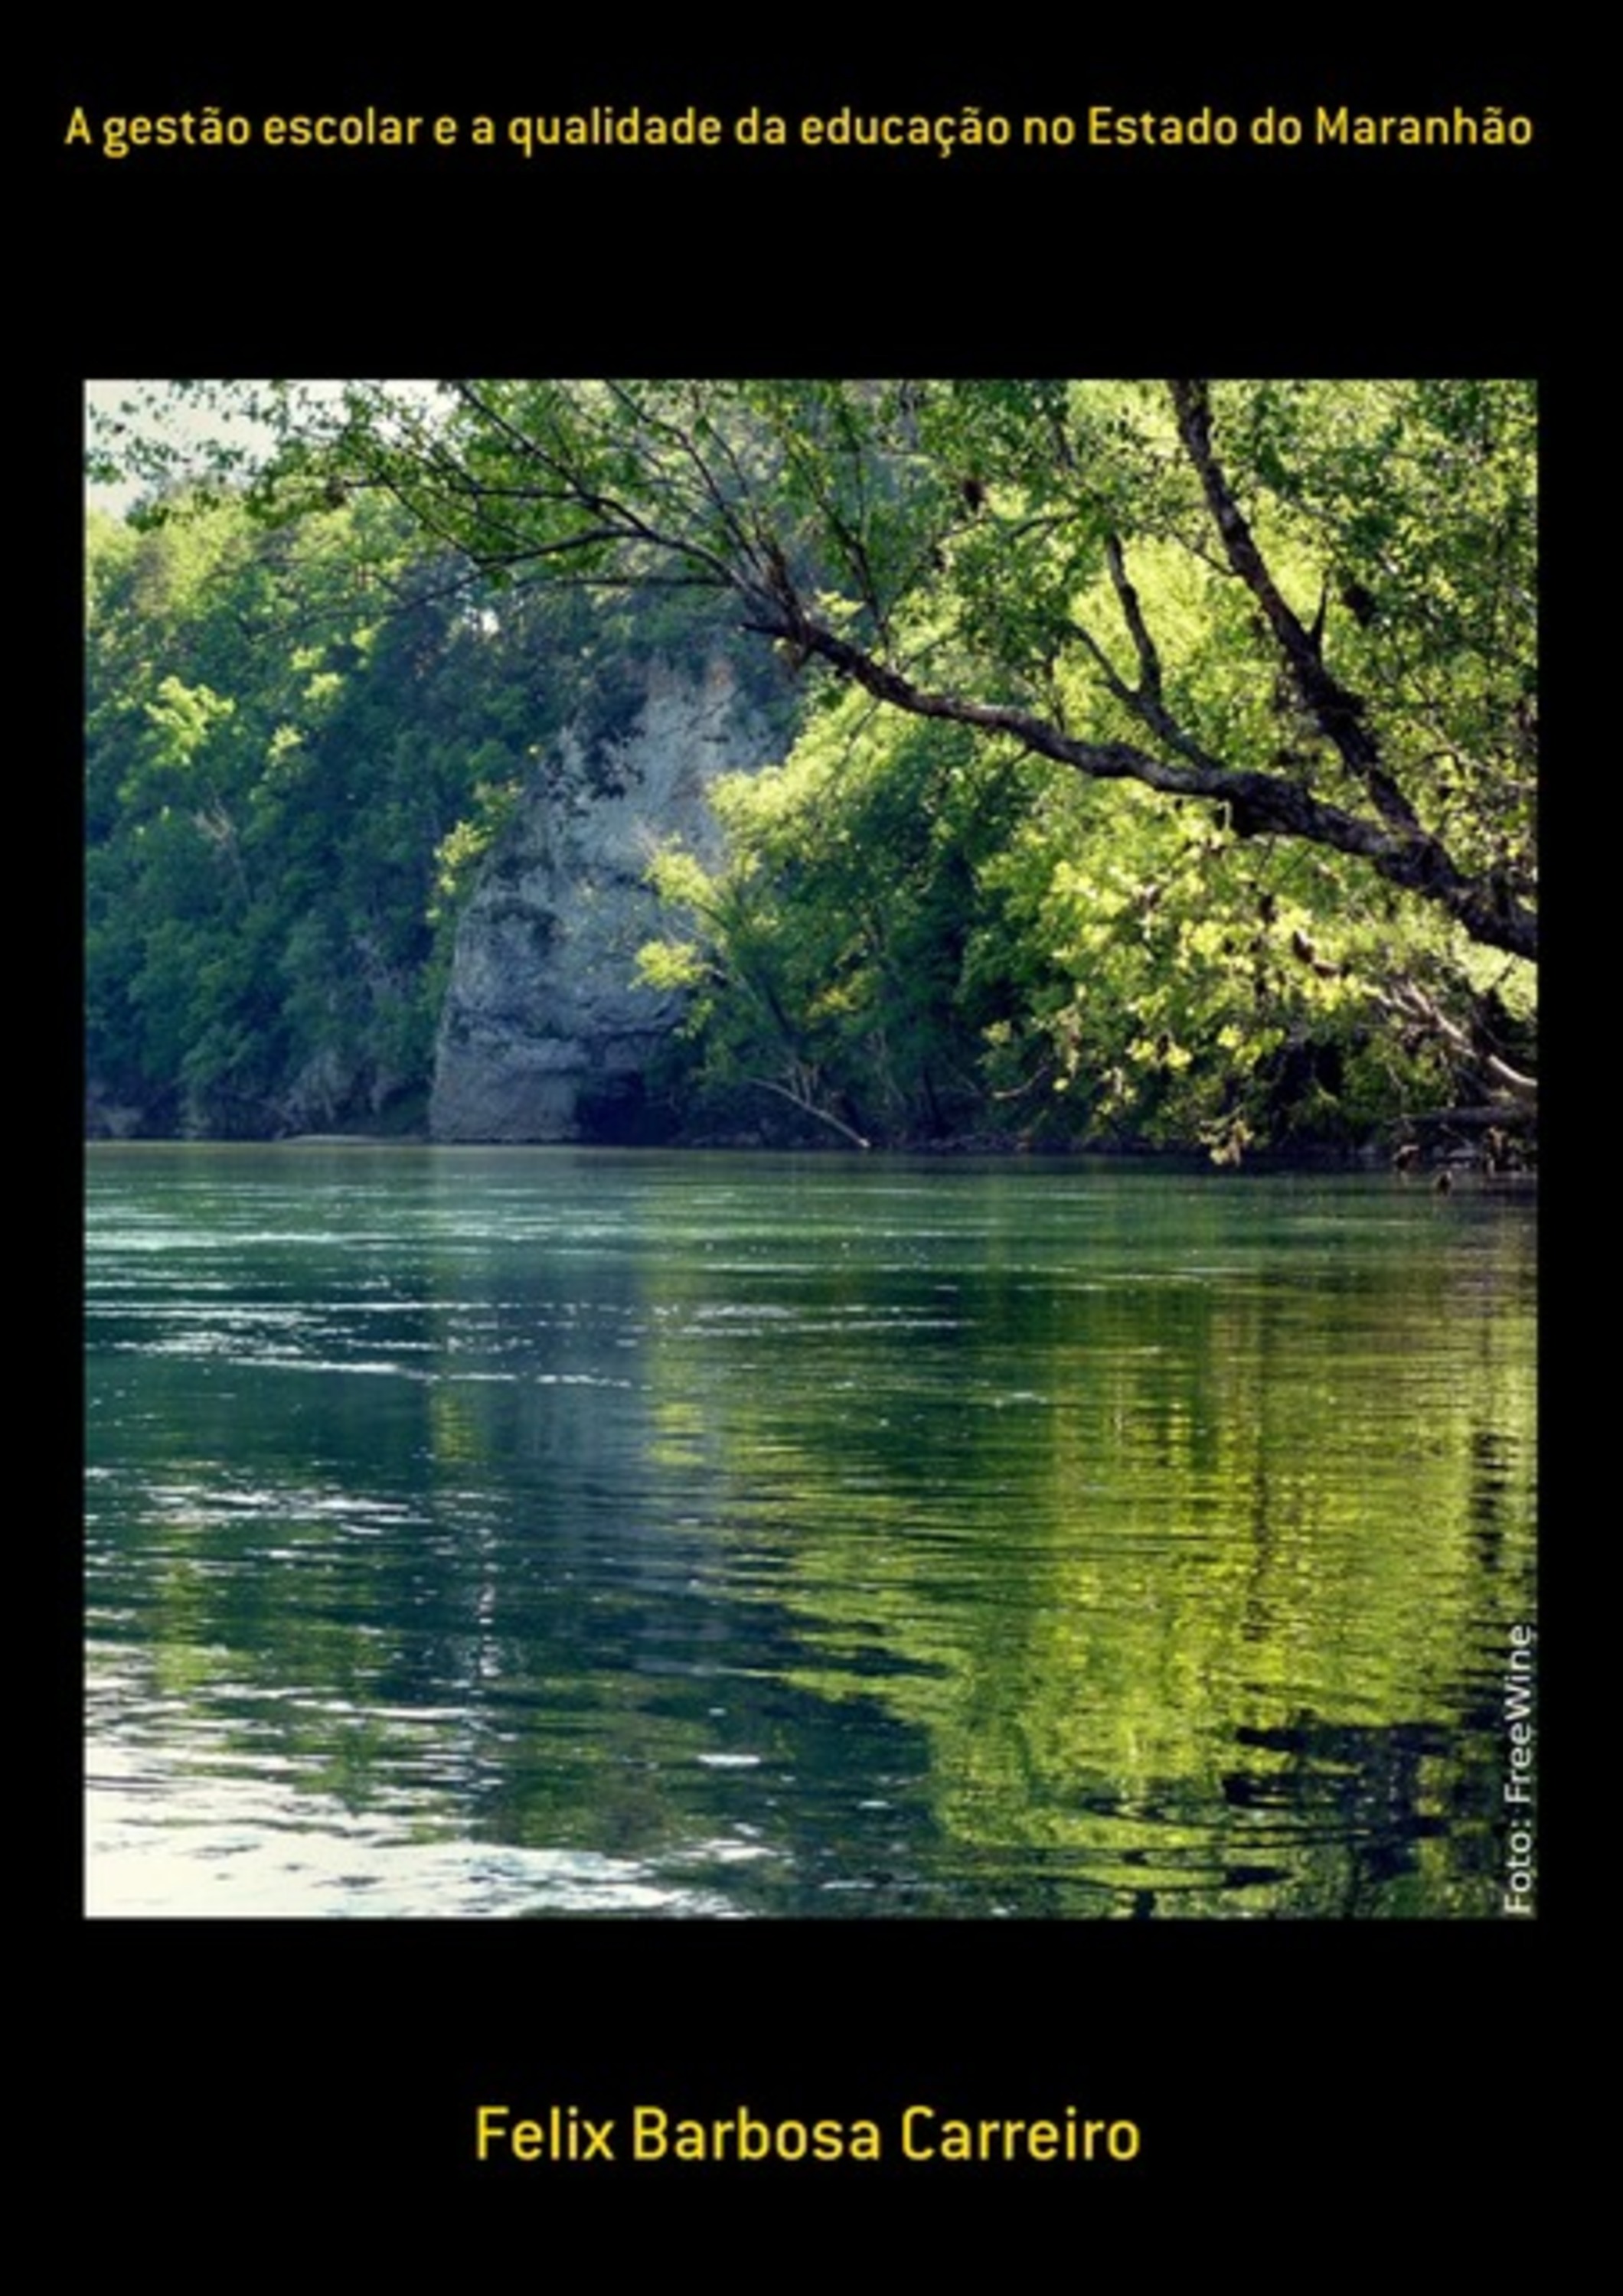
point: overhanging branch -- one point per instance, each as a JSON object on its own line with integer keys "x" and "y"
{"x": 1337, "y": 713}
{"x": 1259, "y": 804}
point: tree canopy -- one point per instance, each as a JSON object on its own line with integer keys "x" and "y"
{"x": 302, "y": 738}
{"x": 1223, "y": 695}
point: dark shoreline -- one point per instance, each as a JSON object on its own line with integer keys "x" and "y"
{"x": 1472, "y": 1162}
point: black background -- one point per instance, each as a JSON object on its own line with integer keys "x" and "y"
{"x": 1308, "y": 2094}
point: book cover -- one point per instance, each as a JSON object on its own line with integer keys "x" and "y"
{"x": 968, "y": 2058}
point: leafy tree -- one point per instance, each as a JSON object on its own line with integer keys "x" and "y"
{"x": 1275, "y": 643}
{"x": 299, "y": 737}
{"x": 839, "y": 956}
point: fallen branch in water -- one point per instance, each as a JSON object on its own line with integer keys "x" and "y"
{"x": 810, "y": 1108}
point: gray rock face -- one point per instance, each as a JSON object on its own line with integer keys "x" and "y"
{"x": 546, "y": 1031}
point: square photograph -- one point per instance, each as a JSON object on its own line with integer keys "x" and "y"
{"x": 813, "y": 1141}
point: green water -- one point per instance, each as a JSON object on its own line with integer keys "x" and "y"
{"x": 541, "y": 1532}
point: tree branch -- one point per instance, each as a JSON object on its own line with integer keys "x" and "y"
{"x": 688, "y": 516}
{"x": 1259, "y": 804}
{"x": 1411, "y": 1002}
{"x": 1337, "y": 713}
{"x": 809, "y": 1108}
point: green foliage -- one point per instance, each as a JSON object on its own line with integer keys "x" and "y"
{"x": 1198, "y": 988}
{"x": 299, "y": 739}
{"x": 831, "y": 956}
{"x": 915, "y": 936}
{"x": 1101, "y": 963}
{"x": 1167, "y": 768}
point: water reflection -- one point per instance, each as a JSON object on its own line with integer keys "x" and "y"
{"x": 544, "y": 1532}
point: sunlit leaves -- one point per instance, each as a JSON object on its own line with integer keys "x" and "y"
{"x": 1337, "y": 720}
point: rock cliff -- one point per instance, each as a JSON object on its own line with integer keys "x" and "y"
{"x": 546, "y": 1031}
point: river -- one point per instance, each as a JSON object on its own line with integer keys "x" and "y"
{"x": 539, "y": 1531}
